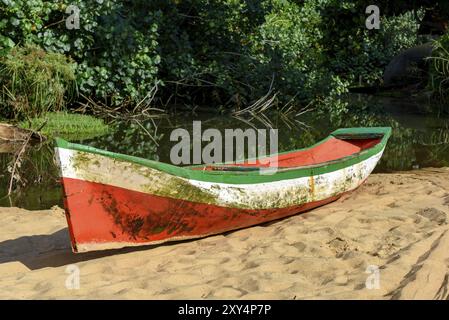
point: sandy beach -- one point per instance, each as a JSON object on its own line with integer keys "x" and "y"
{"x": 387, "y": 240}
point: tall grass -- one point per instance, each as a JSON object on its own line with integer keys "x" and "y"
{"x": 71, "y": 126}
{"x": 439, "y": 67}
{"x": 33, "y": 82}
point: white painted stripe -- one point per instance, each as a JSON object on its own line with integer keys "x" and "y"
{"x": 278, "y": 194}
{"x": 300, "y": 190}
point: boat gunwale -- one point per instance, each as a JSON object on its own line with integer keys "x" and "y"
{"x": 256, "y": 176}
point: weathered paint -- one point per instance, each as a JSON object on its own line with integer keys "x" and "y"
{"x": 112, "y": 202}
{"x": 107, "y": 217}
{"x": 254, "y": 176}
{"x": 268, "y": 195}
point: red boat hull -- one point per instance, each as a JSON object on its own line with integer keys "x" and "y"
{"x": 112, "y": 217}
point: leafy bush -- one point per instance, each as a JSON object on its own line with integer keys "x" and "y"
{"x": 115, "y": 46}
{"x": 34, "y": 82}
{"x": 222, "y": 52}
{"x": 235, "y": 50}
{"x": 360, "y": 55}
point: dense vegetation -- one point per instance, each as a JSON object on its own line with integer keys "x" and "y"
{"x": 439, "y": 67}
{"x": 224, "y": 53}
{"x": 34, "y": 82}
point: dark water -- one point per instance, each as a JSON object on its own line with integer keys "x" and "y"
{"x": 420, "y": 139}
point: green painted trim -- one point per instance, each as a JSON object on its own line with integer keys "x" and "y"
{"x": 251, "y": 177}
{"x": 362, "y": 133}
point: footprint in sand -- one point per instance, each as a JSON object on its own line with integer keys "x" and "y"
{"x": 446, "y": 200}
{"x": 434, "y": 215}
{"x": 339, "y": 246}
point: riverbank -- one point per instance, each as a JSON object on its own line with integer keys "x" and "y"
{"x": 396, "y": 222}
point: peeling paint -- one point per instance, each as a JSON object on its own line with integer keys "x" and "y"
{"x": 276, "y": 194}
{"x": 114, "y": 200}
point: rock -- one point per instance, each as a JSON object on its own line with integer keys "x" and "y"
{"x": 400, "y": 69}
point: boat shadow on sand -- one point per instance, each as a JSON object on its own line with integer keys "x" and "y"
{"x": 53, "y": 250}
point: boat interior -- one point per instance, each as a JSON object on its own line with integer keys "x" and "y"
{"x": 331, "y": 149}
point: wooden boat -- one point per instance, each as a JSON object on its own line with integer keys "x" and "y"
{"x": 114, "y": 200}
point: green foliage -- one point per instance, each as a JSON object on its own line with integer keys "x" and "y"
{"x": 115, "y": 46}
{"x": 67, "y": 125}
{"x": 235, "y": 50}
{"x": 314, "y": 49}
{"x": 360, "y": 55}
{"x": 439, "y": 67}
{"x": 116, "y": 50}
{"x": 222, "y": 52}
{"x": 34, "y": 82}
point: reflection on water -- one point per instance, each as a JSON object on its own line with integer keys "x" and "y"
{"x": 419, "y": 140}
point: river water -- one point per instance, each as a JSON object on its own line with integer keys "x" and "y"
{"x": 420, "y": 139}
